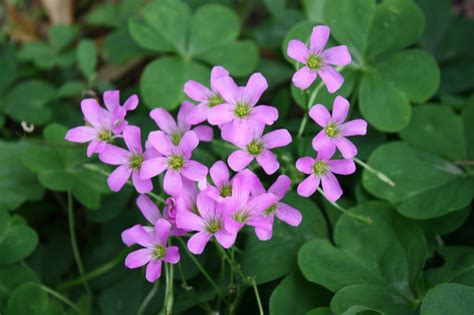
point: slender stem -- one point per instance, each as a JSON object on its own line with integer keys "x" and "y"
{"x": 233, "y": 264}
{"x": 439, "y": 240}
{"x": 75, "y": 248}
{"x": 148, "y": 298}
{"x": 60, "y": 297}
{"x": 308, "y": 107}
{"x": 95, "y": 168}
{"x": 169, "y": 289}
{"x": 384, "y": 178}
{"x": 467, "y": 162}
{"x": 363, "y": 219}
{"x": 257, "y": 296}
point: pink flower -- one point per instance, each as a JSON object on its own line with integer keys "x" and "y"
{"x": 237, "y": 116}
{"x": 130, "y": 161}
{"x": 112, "y": 103}
{"x": 335, "y": 130}
{"x": 155, "y": 249}
{"x": 187, "y": 199}
{"x": 175, "y": 130}
{"x": 222, "y": 183}
{"x": 281, "y": 210}
{"x": 206, "y": 98}
{"x": 321, "y": 170}
{"x": 259, "y": 148}
{"x": 176, "y": 160}
{"x": 209, "y": 222}
{"x": 316, "y": 60}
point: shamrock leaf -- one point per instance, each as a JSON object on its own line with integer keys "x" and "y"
{"x": 12, "y": 276}
{"x": 449, "y": 298}
{"x": 38, "y": 301}
{"x": 17, "y": 239}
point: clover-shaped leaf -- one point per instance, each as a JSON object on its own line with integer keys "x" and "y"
{"x": 12, "y": 276}
{"x": 38, "y": 301}
{"x": 449, "y": 298}
{"x": 17, "y": 239}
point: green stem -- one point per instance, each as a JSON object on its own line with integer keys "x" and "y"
{"x": 75, "y": 248}
{"x": 148, "y": 298}
{"x": 308, "y": 107}
{"x": 381, "y": 176}
{"x": 257, "y": 296}
{"x": 60, "y": 297}
{"x": 363, "y": 219}
{"x": 169, "y": 289}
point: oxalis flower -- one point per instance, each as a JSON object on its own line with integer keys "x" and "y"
{"x": 220, "y": 176}
{"x": 187, "y": 200}
{"x": 320, "y": 170}
{"x": 176, "y": 161}
{"x": 130, "y": 161}
{"x": 155, "y": 252}
{"x": 175, "y": 130}
{"x": 207, "y": 98}
{"x": 238, "y": 115}
{"x": 208, "y": 222}
{"x": 102, "y": 125}
{"x": 259, "y": 148}
{"x": 335, "y": 131}
{"x": 316, "y": 60}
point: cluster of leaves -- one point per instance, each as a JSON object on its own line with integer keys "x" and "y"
{"x": 411, "y": 79}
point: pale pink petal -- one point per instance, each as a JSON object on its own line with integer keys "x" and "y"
{"x": 189, "y": 141}
{"x": 322, "y": 141}
{"x": 280, "y": 186}
{"x": 204, "y": 133}
{"x": 277, "y": 138}
{"x": 347, "y": 148}
{"x": 219, "y": 173}
{"x": 319, "y": 38}
{"x": 320, "y": 114}
{"x": 238, "y": 160}
{"x": 129, "y": 235}
{"x": 340, "y": 110}
{"x": 164, "y": 120}
{"x": 162, "y": 231}
{"x": 220, "y": 114}
{"x": 331, "y": 78}
{"x": 238, "y": 132}
{"x": 227, "y": 88}
{"x": 263, "y": 227}
{"x": 307, "y": 187}
{"x": 148, "y": 208}
{"x": 183, "y": 113}
{"x": 305, "y": 164}
{"x": 133, "y": 139}
{"x": 172, "y": 183}
{"x": 194, "y": 171}
{"x": 119, "y": 177}
{"x": 197, "y": 242}
{"x": 81, "y": 134}
{"x": 172, "y": 255}
{"x": 232, "y": 226}
{"x": 326, "y": 153}
{"x": 304, "y": 77}
{"x": 331, "y": 187}
{"x": 153, "y": 270}
{"x": 263, "y": 234}
{"x": 142, "y": 186}
{"x": 338, "y": 56}
{"x": 288, "y": 214}
{"x": 137, "y": 235}
{"x": 217, "y": 72}
{"x": 342, "y": 167}
{"x": 161, "y": 142}
{"x": 196, "y": 91}
{"x": 206, "y": 205}
{"x": 189, "y": 221}
{"x": 356, "y": 127}
{"x": 131, "y": 103}
{"x": 153, "y": 167}
{"x": 297, "y": 50}
{"x": 265, "y": 114}
{"x": 268, "y": 162}
{"x": 138, "y": 258}
{"x": 260, "y": 203}
{"x": 93, "y": 113}
{"x": 114, "y": 155}
{"x": 256, "y": 85}
{"x": 96, "y": 146}
{"x": 111, "y": 99}
{"x": 198, "y": 115}
{"x": 225, "y": 238}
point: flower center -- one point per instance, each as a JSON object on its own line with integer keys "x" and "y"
{"x": 105, "y": 135}
{"x": 176, "y": 162}
{"x": 332, "y": 130}
{"x": 226, "y": 191}
{"x": 254, "y": 147}
{"x": 213, "y": 226}
{"x": 214, "y": 100}
{"x": 270, "y": 209}
{"x": 320, "y": 168}
{"x": 159, "y": 251}
{"x": 314, "y": 62}
{"x": 135, "y": 161}
{"x": 194, "y": 208}
{"x": 176, "y": 137}
{"x": 242, "y": 110}
{"x": 241, "y": 216}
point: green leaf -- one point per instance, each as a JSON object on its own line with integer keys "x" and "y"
{"x": 445, "y": 224}
{"x": 425, "y": 185}
{"x": 8, "y": 64}
{"x": 27, "y": 100}
{"x": 119, "y": 47}
{"x": 12, "y": 276}
{"x": 17, "y": 183}
{"x": 60, "y": 36}
{"x": 320, "y": 311}
{"x": 147, "y": 37}
{"x": 468, "y": 118}
{"x": 293, "y": 288}
{"x": 38, "y": 302}
{"x": 315, "y": 10}
{"x": 276, "y": 7}
{"x": 448, "y": 298}
{"x": 87, "y": 57}
{"x": 397, "y": 24}
{"x": 284, "y": 244}
{"x": 41, "y": 54}
{"x": 430, "y": 122}
{"x": 72, "y": 88}
{"x": 437, "y": 15}
{"x": 17, "y": 240}
{"x": 104, "y": 14}
{"x": 212, "y": 26}
{"x": 458, "y": 263}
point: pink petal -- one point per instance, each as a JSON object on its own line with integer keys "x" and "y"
{"x": 326, "y": 153}
{"x": 133, "y": 139}
{"x": 263, "y": 234}
{"x": 297, "y": 50}
{"x": 277, "y": 138}
{"x": 265, "y": 114}
{"x": 153, "y": 167}
{"x": 338, "y": 56}
{"x": 304, "y": 77}
{"x": 204, "y": 133}
{"x": 356, "y": 127}
{"x": 256, "y": 85}
{"x": 307, "y": 187}
{"x": 153, "y": 270}
{"x": 342, "y": 167}
{"x": 219, "y": 173}
{"x": 217, "y": 73}
{"x": 187, "y": 144}
{"x": 196, "y": 91}
{"x": 142, "y": 186}
{"x": 138, "y": 258}
{"x": 252, "y": 182}
{"x": 172, "y": 183}
{"x": 305, "y": 164}
{"x": 322, "y": 141}
{"x": 189, "y": 221}
{"x": 331, "y": 78}
{"x": 81, "y": 134}
{"x": 340, "y": 110}
{"x": 119, "y": 177}
{"x": 206, "y": 206}
{"x": 161, "y": 142}
{"x": 183, "y": 113}
{"x": 268, "y": 162}
{"x": 288, "y": 214}
{"x": 197, "y": 242}
{"x": 331, "y": 187}
{"x": 347, "y": 148}
{"x": 231, "y": 226}
{"x": 238, "y": 160}
{"x": 320, "y": 114}
{"x": 172, "y": 255}
{"x": 93, "y": 113}
{"x": 164, "y": 120}
{"x": 162, "y": 231}
{"x": 227, "y": 88}
{"x": 111, "y": 99}
{"x": 198, "y": 115}
{"x": 96, "y": 146}
{"x": 131, "y": 103}
{"x": 225, "y": 238}
{"x": 148, "y": 208}
{"x": 137, "y": 235}
{"x": 220, "y": 114}
{"x": 319, "y": 38}
{"x": 260, "y": 203}
{"x": 194, "y": 171}
{"x": 238, "y": 132}
{"x": 129, "y": 236}
{"x": 114, "y": 155}
{"x": 280, "y": 186}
